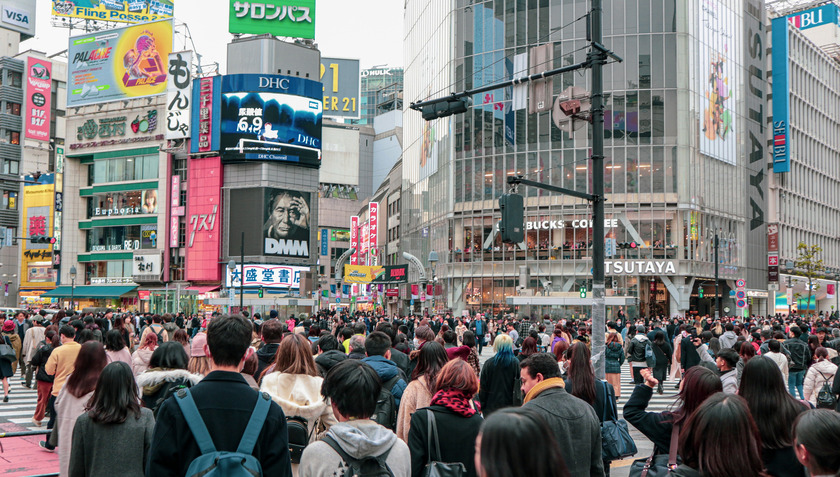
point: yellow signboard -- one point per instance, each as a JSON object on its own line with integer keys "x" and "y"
{"x": 361, "y": 273}
{"x": 38, "y": 212}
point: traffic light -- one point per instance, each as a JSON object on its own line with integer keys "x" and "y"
{"x": 512, "y": 226}
{"x": 700, "y": 292}
{"x": 260, "y": 292}
{"x": 41, "y": 239}
{"x": 628, "y": 245}
{"x": 443, "y": 109}
{"x": 583, "y": 292}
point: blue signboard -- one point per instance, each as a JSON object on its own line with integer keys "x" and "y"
{"x": 781, "y": 97}
{"x": 325, "y": 248}
{"x": 824, "y": 15}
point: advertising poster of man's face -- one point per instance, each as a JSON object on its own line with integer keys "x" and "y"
{"x": 287, "y": 218}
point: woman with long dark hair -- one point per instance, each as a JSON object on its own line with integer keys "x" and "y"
{"x": 697, "y": 384}
{"x": 75, "y": 394}
{"x": 167, "y": 374}
{"x": 614, "y": 358}
{"x": 119, "y": 325}
{"x": 529, "y": 347}
{"x": 816, "y": 434}
{"x": 774, "y": 410}
{"x": 745, "y": 353}
{"x": 182, "y": 337}
{"x": 115, "y": 432}
{"x": 706, "y": 440}
{"x": 498, "y": 376}
{"x": 430, "y": 360}
{"x": 470, "y": 341}
{"x": 115, "y": 348}
{"x": 506, "y": 447}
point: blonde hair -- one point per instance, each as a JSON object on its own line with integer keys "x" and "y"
{"x": 199, "y": 365}
{"x": 503, "y": 342}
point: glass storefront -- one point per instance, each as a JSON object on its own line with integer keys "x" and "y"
{"x": 118, "y": 204}
{"x": 122, "y": 169}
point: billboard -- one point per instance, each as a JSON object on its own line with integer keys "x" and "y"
{"x": 18, "y": 15}
{"x": 179, "y": 95}
{"x": 123, "y": 63}
{"x": 38, "y": 212}
{"x": 290, "y": 18}
{"x": 342, "y": 81}
{"x": 204, "y": 230}
{"x": 363, "y": 274}
{"x": 125, "y": 11}
{"x": 286, "y": 223}
{"x": 128, "y": 126}
{"x": 718, "y": 79}
{"x": 268, "y": 276}
{"x": 271, "y": 118}
{"x": 828, "y": 14}
{"x": 373, "y": 230}
{"x": 38, "y": 98}
{"x": 781, "y": 96}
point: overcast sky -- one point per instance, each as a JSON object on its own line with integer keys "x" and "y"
{"x": 368, "y": 30}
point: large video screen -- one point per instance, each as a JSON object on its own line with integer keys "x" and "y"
{"x": 271, "y": 127}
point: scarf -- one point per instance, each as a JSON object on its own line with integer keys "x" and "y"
{"x": 455, "y": 400}
{"x": 542, "y": 386}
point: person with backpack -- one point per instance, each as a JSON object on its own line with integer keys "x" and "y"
{"x": 167, "y": 374}
{"x": 243, "y": 431}
{"x": 356, "y": 445}
{"x": 819, "y": 380}
{"x": 378, "y": 350}
{"x": 636, "y": 349}
{"x": 157, "y": 329}
{"x": 294, "y": 383}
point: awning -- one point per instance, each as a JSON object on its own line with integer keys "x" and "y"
{"x": 203, "y": 289}
{"x": 90, "y": 291}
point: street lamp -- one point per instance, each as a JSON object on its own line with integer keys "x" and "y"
{"x": 433, "y": 259}
{"x": 72, "y": 288}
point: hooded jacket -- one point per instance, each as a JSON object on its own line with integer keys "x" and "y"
{"x": 636, "y": 348}
{"x": 140, "y": 360}
{"x": 265, "y": 356}
{"x": 328, "y": 359}
{"x": 359, "y": 439}
{"x": 157, "y": 384}
{"x": 299, "y": 395}
{"x": 728, "y": 339}
{"x": 388, "y": 370}
{"x": 818, "y": 374}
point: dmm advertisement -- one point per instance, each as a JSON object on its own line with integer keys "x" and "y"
{"x": 286, "y": 225}
{"x": 119, "y": 64}
{"x": 271, "y": 118}
{"x": 204, "y": 229}
{"x": 38, "y": 98}
{"x": 36, "y": 259}
{"x": 127, "y": 11}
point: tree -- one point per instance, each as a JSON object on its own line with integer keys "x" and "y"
{"x": 810, "y": 261}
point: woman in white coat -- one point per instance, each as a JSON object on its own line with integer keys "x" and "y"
{"x": 821, "y": 372}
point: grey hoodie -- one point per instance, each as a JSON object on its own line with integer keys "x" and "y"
{"x": 358, "y": 439}
{"x": 728, "y": 339}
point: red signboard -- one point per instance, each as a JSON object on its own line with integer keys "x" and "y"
{"x": 144, "y": 294}
{"x": 773, "y": 238}
{"x": 354, "y": 239}
{"x": 174, "y": 210}
{"x": 392, "y": 292}
{"x": 204, "y": 237}
{"x": 772, "y": 260}
{"x": 38, "y": 98}
{"x": 374, "y": 227}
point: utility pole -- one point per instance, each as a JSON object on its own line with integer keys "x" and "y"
{"x": 598, "y": 59}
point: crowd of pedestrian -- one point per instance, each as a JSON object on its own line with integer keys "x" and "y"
{"x": 340, "y": 394}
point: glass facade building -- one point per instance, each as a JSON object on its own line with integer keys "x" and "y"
{"x": 680, "y": 150}
{"x": 380, "y": 87}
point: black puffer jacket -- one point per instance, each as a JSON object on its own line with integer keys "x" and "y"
{"x": 265, "y": 357}
{"x": 328, "y": 359}
{"x": 157, "y": 385}
{"x": 39, "y": 360}
{"x": 497, "y": 382}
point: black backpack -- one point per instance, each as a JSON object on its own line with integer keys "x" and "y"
{"x": 158, "y": 333}
{"x": 299, "y": 436}
{"x": 364, "y": 467}
{"x": 385, "y": 413}
{"x": 826, "y": 398}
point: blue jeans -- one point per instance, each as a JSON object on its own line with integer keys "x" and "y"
{"x": 796, "y": 381}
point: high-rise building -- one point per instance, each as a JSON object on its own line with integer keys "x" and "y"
{"x": 686, "y": 149}
{"x": 382, "y": 90}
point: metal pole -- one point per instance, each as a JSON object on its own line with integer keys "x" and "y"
{"x": 242, "y": 274}
{"x": 598, "y": 58}
{"x": 717, "y": 279}
{"x": 73, "y": 293}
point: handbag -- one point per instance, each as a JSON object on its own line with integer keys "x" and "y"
{"x": 659, "y": 465}
{"x": 7, "y": 353}
{"x": 435, "y": 468}
{"x": 616, "y": 441}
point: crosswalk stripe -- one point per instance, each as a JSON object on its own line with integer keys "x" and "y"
{"x": 21, "y": 406}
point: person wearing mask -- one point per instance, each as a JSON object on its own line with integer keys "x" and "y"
{"x": 8, "y": 368}
{"x": 75, "y": 395}
{"x": 705, "y": 442}
{"x": 636, "y": 353}
{"x": 821, "y": 372}
{"x": 351, "y": 387}
{"x": 60, "y": 365}
{"x": 113, "y": 416}
{"x": 167, "y": 373}
{"x": 774, "y": 411}
{"x": 456, "y": 421}
{"x": 726, "y": 361}
{"x": 498, "y": 376}
{"x": 697, "y": 384}
{"x": 43, "y": 381}
{"x": 816, "y": 434}
{"x": 572, "y": 421}
{"x": 140, "y": 359}
{"x": 505, "y": 446}
{"x": 115, "y": 348}
{"x": 418, "y": 394}
{"x": 614, "y": 358}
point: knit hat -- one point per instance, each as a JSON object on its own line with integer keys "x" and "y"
{"x": 197, "y": 346}
{"x": 9, "y": 325}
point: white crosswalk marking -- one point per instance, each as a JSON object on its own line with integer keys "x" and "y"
{"x": 21, "y": 406}
{"x": 658, "y": 403}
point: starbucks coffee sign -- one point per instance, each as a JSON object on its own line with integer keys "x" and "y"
{"x": 640, "y": 267}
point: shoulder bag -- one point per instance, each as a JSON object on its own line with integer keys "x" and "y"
{"x": 7, "y": 352}
{"x": 658, "y": 465}
{"x": 435, "y": 468}
{"x": 616, "y": 441}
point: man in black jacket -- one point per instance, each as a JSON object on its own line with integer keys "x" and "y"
{"x": 397, "y": 356}
{"x": 800, "y": 355}
{"x": 271, "y": 332}
{"x": 328, "y": 354}
{"x": 225, "y": 401}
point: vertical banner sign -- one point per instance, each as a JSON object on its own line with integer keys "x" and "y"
{"x": 59, "y": 210}
{"x": 354, "y": 243}
{"x": 174, "y": 201}
{"x": 781, "y": 101}
{"x": 325, "y": 243}
{"x": 38, "y": 209}
{"x": 179, "y": 95}
{"x": 372, "y": 236}
{"x": 59, "y": 159}
{"x": 205, "y": 115}
{"x": 204, "y": 197}
{"x": 38, "y": 98}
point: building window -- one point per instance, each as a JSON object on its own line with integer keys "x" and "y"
{"x": 11, "y": 167}
{"x": 13, "y": 108}
{"x": 9, "y": 200}
{"x": 15, "y": 78}
{"x": 121, "y": 169}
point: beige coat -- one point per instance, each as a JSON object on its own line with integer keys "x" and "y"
{"x": 68, "y": 408}
{"x": 814, "y": 380}
{"x": 14, "y": 340}
{"x": 416, "y": 396}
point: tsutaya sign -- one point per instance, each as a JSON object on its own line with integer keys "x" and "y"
{"x": 561, "y": 224}
{"x": 640, "y": 267}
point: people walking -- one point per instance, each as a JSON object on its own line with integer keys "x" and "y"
{"x": 614, "y": 358}
{"x": 167, "y": 373}
{"x": 141, "y": 357}
{"x": 498, "y": 376}
{"x": 418, "y": 394}
{"x": 43, "y": 381}
{"x": 821, "y": 373}
{"x": 636, "y": 353}
{"x": 9, "y": 367}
